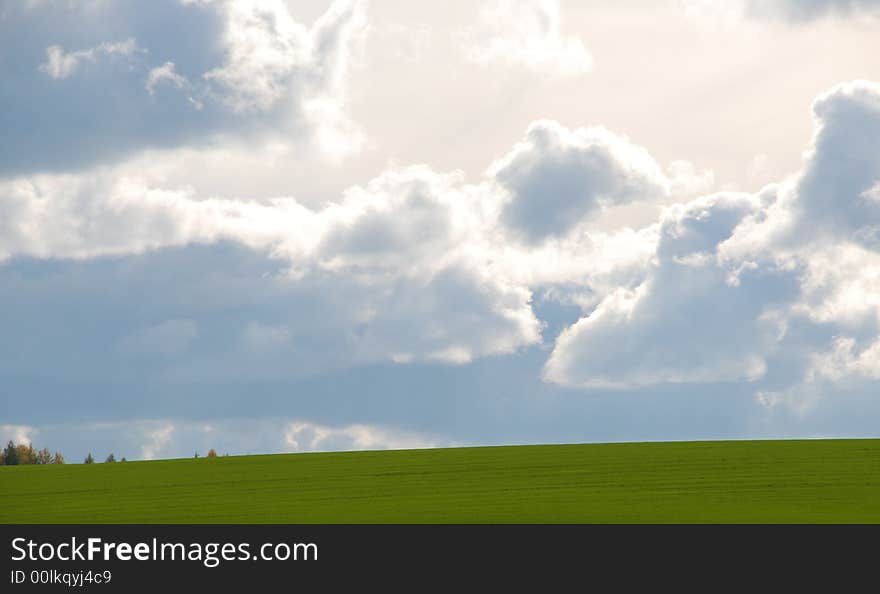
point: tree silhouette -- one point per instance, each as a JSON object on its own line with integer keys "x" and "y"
{"x": 89, "y": 459}
{"x": 110, "y": 458}
{"x": 44, "y": 456}
{"x": 11, "y": 454}
{"x": 14, "y": 455}
{"x": 26, "y": 453}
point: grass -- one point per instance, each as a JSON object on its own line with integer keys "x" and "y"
{"x": 733, "y": 481}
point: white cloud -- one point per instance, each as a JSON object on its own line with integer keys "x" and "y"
{"x": 841, "y": 285}
{"x": 265, "y": 48}
{"x": 732, "y": 273}
{"x": 151, "y": 439}
{"x": 17, "y": 433}
{"x": 272, "y": 60}
{"x": 418, "y": 265}
{"x": 338, "y": 40}
{"x": 305, "y": 436}
{"x": 414, "y": 240}
{"x": 421, "y": 267}
{"x": 687, "y": 322}
{"x": 167, "y": 74}
{"x": 112, "y": 212}
{"x": 59, "y": 64}
{"x": 164, "y": 74}
{"x": 826, "y": 216}
{"x": 528, "y": 33}
{"x": 845, "y": 360}
{"x": 158, "y": 438}
{"x": 406, "y": 251}
{"x": 275, "y": 64}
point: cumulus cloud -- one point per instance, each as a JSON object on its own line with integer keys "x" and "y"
{"x": 405, "y": 257}
{"x": 845, "y": 359}
{"x": 164, "y": 74}
{"x": 271, "y": 59}
{"x": 61, "y": 64}
{"x": 157, "y": 439}
{"x": 419, "y": 266}
{"x": 248, "y": 69}
{"x": 266, "y": 49}
{"x": 420, "y": 263}
{"x": 17, "y": 433}
{"x": 82, "y": 216}
{"x": 829, "y": 202}
{"x": 754, "y": 287}
{"x": 557, "y": 178}
{"x": 688, "y": 321}
{"x": 305, "y": 436}
{"x": 528, "y": 33}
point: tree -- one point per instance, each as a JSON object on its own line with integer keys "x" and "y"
{"x": 89, "y": 459}
{"x": 123, "y": 459}
{"x": 197, "y": 455}
{"x": 212, "y": 453}
{"x": 26, "y": 453}
{"x": 10, "y": 454}
{"x": 44, "y": 456}
{"x": 110, "y": 458}
{"x": 14, "y": 455}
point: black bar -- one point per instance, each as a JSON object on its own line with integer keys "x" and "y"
{"x": 424, "y": 557}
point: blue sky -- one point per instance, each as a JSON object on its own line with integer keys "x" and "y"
{"x": 283, "y": 226}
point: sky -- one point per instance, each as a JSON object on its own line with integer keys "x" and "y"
{"x": 271, "y": 226}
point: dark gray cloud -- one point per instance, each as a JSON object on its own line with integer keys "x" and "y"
{"x": 102, "y": 110}
{"x": 222, "y": 311}
{"x": 808, "y": 10}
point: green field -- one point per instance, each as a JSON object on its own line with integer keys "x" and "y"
{"x": 733, "y": 481}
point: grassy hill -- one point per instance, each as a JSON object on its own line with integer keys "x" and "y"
{"x": 735, "y": 481}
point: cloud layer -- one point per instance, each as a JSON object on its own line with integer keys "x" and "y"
{"x": 418, "y": 265}
{"x": 157, "y": 239}
{"x": 118, "y": 83}
{"x": 739, "y": 281}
